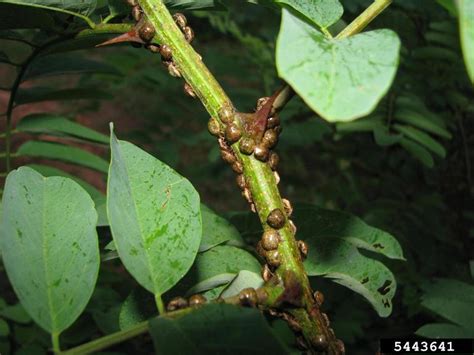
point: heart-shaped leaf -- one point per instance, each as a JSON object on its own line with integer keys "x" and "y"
{"x": 340, "y": 79}
{"x": 49, "y": 246}
{"x": 154, "y": 215}
{"x": 334, "y": 239}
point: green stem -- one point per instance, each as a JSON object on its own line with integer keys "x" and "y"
{"x": 364, "y": 18}
{"x": 159, "y": 304}
{"x": 55, "y": 341}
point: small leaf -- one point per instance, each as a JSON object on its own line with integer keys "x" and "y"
{"x": 216, "y": 329}
{"x": 61, "y": 64}
{"x": 60, "y": 126}
{"x": 322, "y": 12}
{"x": 4, "y": 328}
{"x": 49, "y": 246}
{"x": 38, "y": 94}
{"x": 63, "y": 152}
{"x": 334, "y": 238}
{"x": 244, "y": 279}
{"x": 418, "y": 151}
{"x": 340, "y": 79}
{"x": 422, "y": 138}
{"x": 16, "y": 313}
{"x": 216, "y": 230}
{"x": 448, "y": 330}
{"x": 154, "y": 215}
{"x": 383, "y": 137}
{"x": 466, "y": 30}
{"x": 423, "y": 122}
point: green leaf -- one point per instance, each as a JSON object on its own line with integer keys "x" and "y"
{"x": 158, "y": 234}
{"x": 452, "y": 300}
{"x": 218, "y": 266}
{"x": 422, "y": 138}
{"x": 48, "y": 171}
{"x": 322, "y": 12}
{"x": 244, "y": 279}
{"x": 334, "y": 238}
{"x": 13, "y": 17}
{"x": 4, "y": 328}
{"x": 216, "y": 329}
{"x": 466, "y": 30}
{"x": 73, "y": 7}
{"x": 422, "y": 121}
{"x": 383, "y": 137}
{"x": 138, "y": 307}
{"x": 217, "y": 230}
{"x": 62, "y": 64}
{"x": 38, "y": 94}
{"x": 16, "y": 313}
{"x": 63, "y": 152}
{"x": 50, "y": 247}
{"x": 59, "y": 126}
{"x": 339, "y": 79}
{"x": 418, "y": 151}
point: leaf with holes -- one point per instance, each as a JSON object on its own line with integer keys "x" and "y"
{"x": 49, "y": 246}
{"x": 155, "y": 217}
{"x": 340, "y": 79}
{"x": 334, "y": 239}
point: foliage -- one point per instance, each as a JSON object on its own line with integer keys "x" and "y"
{"x": 403, "y": 86}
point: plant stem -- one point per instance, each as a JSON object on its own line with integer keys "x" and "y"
{"x": 364, "y": 18}
{"x": 55, "y": 341}
{"x": 159, "y": 304}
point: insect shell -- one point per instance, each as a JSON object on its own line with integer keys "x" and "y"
{"x": 273, "y": 160}
{"x": 173, "y": 69}
{"x": 153, "y": 48}
{"x": 340, "y": 346}
{"x": 177, "y": 303}
{"x": 270, "y": 138}
{"x": 270, "y": 239}
{"x": 228, "y": 156}
{"x": 240, "y": 179}
{"x": 237, "y": 167}
{"x": 273, "y": 258}
{"x": 276, "y": 219}
{"x": 213, "y": 127}
{"x": 247, "y": 145}
{"x": 188, "y": 34}
{"x": 292, "y": 227}
{"x": 248, "y": 297}
{"x": 180, "y": 20}
{"x": 277, "y": 177}
{"x": 320, "y": 342}
{"x": 319, "y": 298}
{"x": 287, "y": 206}
{"x": 146, "y": 32}
{"x": 137, "y": 13}
{"x": 197, "y": 300}
{"x": 266, "y": 273}
{"x": 232, "y": 133}
{"x": 188, "y": 90}
{"x": 132, "y": 2}
{"x": 165, "y": 52}
{"x": 273, "y": 121}
{"x": 261, "y": 101}
{"x": 226, "y": 114}
{"x": 261, "y": 153}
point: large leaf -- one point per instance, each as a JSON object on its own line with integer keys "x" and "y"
{"x": 452, "y": 300}
{"x": 216, "y": 329}
{"x": 80, "y": 7}
{"x": 19, "y": 17}
{"x": 334, "y": 239}
{"x": 217, "y": 230}
{"x": 58, "y": 125}
{"x": 61, "y": 64}
{"x": 154, "y": 215}
{"x": 64, "y": 153}
{"x": 322, "y": 12}
{"x": 341, "y": 79}
{"x": 49, "y": 246}
{"x": 466, "y": 30}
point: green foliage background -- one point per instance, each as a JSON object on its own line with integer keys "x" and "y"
{"x": 398, "y": 171}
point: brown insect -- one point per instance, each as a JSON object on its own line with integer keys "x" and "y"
{"x": 226, "y": 114}
{"x": 213, "y": 127}
{"x": 273, "y": 258}
{"x": 247, "y": 145}
{"x": 180, "y": 20}
{"x": 146, "y": 31}
{"x": 276, "y": 219}
{"x": 137, "y": 13}
{"x": 188, "y": 90}
{"x": 197, "y": 300}
{"x": 287, "y": 206}
{"x": 273, "y": 160}
{"x": 261, "y": 153}
{"x": 270, "y": 138}
{"x": 248, "y": 297}
{"x": 177, "y": 303}
{"x": 188, "y": 34}
{"x": 232, "y": 133}
{"x": 270, "y": 239}
{"x": 165, "y": 52}
{"x": 319, "y": 298}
